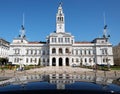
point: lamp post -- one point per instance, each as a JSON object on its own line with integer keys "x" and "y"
{"x": 21, "y": 65}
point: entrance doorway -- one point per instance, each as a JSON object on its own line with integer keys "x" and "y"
{"x": 60, "y": 62}
{"x": 54, "y": 62}
{"x": 67, "y": 61}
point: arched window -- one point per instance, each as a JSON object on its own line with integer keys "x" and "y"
{"x": 67, "y": 50}
{"x": 85, "y": 60}
{"x": 35, "y": 60}
{"x": 53, "y": 61}
{"x": 53, "y": 51}
{"x": 60, "y": 51}
{"x": 89, "y": 52}
{"x": 67, "y": 61}
{"x": 60, "y": 18}
{"x": 103, "y": 59}
{"x": 77, "y": 60}
{"x": 90, "y": 60}
{"x": 43, "y": 60}
{"x": 81, "y": 60}
{"x": 39, "y": 62}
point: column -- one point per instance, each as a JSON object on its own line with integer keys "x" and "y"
{"x": 64, "y": 63}
{"x": 50, "y": 62}
{"x": 57, "y": 61}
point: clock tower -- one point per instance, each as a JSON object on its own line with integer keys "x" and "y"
{"x": 60, "y": 21}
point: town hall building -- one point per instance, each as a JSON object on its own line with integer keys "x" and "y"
{"x": 60, "y": 49}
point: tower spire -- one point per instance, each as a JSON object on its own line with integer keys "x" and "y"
{"x": 22, "y": 31}
{"x": 60, "y": 21}
{"x": 105, "y": 27}
{"x": 60, "y": 4}
{"x": 23, "y": 20}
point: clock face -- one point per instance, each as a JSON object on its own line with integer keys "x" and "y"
{"x": 60, "y": 26}
{"x": 60, "y": 35}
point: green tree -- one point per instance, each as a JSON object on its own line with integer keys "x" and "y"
{"x": 3, "y": 61}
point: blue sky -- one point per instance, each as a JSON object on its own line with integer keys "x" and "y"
{"x": 83, "y": 18}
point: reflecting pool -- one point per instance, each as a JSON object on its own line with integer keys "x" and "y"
{"x": 61, "y": 82}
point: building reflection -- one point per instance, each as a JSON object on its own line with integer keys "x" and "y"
{"x": 116, "y": 81}
{"x": 60, "y": 80}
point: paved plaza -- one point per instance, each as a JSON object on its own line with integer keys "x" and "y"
{"x": 60, "y": 70}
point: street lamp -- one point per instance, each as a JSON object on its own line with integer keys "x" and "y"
{"x": 21, "y": 65}
{"x": 108, "y": 64}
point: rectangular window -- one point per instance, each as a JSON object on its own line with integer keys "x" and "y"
{"x": 52, "y": 40}
{"x": 35, "y": 52}
{"x": 39, "y": 52}
{"x": 27, "y": 51}
{"x": 59, "y": 40}
{"x": 103, "y": 51}
{"x": 80, "y": 52}
{"x": 93, "y": 59}
{"x": 43, "y": 52}
{"x": 31, "y": 60}
{"x": 106, "y": 52}
{"x": 26, "y": 60}
{"x": 94, "y": 52}
{"x": 76, "y": 52}
{"x": 31, "y": 52}
{"x": 15, "y": 60}
{"x": 55, "y": 39}
{"x": 35, "y": 60}
{"x": 17, "y": 51}
{"x": 66, "y": 40}
{"x": 89, "y": 52}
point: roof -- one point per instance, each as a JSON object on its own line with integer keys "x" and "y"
{"x": 4, "y": 40}
{"x": 83, "y": 42}
{"x": 61, "y": 34}
{"x": 36, "y": 42}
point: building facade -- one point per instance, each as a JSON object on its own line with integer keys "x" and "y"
{"x": 4, "y": 48}
{"x": 116, "y": 54}
{"x": 60, "y": 49}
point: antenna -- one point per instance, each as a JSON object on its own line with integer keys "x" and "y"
{"x": 23, "y": 29}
